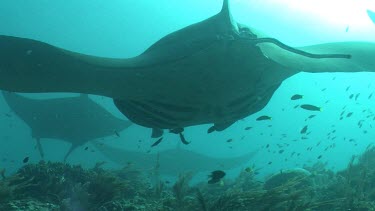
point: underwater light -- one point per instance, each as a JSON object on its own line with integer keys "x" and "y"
{"x": 336, "y": 12}
{"x": 311, "y": 21}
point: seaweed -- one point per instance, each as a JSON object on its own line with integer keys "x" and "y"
{"x": 61, "y": 186}
{"x": 180, "y": 188}
{"x": 201, "y": 200}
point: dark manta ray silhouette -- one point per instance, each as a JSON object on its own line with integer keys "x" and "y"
{"x": 216, "y": 71}
{"x": 172, "y": 161}
{"x": 76, "y": 120}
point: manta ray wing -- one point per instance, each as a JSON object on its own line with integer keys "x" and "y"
{"x": 173, "y": 161}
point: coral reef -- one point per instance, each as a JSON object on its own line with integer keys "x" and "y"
{"x": 59, "y": 186}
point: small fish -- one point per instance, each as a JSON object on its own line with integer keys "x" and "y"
{"x": 324, "y": 89}
{"x": 349, "y": 114}
{"x": 249, "y": 169}
{"x": 183, "y": 140}
{"x": 351, "y": 96}
{"x": 252, "y": 170}
{"x": 269, "y": 163}
{"x": 320, "y": 156}
{"x": 347, "y": 88}
{"x": 311, "y": 116}
{"x": 356, "y": 96}
{"x": 296, "y": 97}
{"x": 369, "y": 97}
{"x": 281, "y": 151}
{"x": 268, "y": 145}
{"x": 248, "y": 128}
{"x": 261, "y": 118}
{"x": 117, "y": 134}
{"x": 304, "y": 129}
{"x": 311, "y": 107}
{"x": 25, "y": 160}
{"x": 157, "y": 142}
{"x": 86, "y": 148}
{"x": 216, "y": 176}
{"x": 347, "y": 29}
{"x": 229, "y": 140}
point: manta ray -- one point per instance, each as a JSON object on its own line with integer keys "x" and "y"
{"x": 76, "y": 120}
{"x": 171, "y": 162}
{"x": 216, "y": 71}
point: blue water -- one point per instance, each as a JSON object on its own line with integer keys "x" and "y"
{"x": 126, "y": 28}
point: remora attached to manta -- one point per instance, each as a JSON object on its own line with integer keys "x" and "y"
{"x": 215, "y": 71}
{"x": 76, "y": 120}
{"x": 172, "y": 161}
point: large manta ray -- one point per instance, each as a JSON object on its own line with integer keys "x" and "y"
{"x": 212, "y": 72}
{"x": 76, "y": 120}
{"x": 172, "y": 161}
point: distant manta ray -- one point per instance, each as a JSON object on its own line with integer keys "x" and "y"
{"x": 216, "y": 71}
{"x": 76, "y": 120}
{"x": 173, "y": 161}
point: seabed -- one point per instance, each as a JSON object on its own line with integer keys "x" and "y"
{"x": 59, "y": 186}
